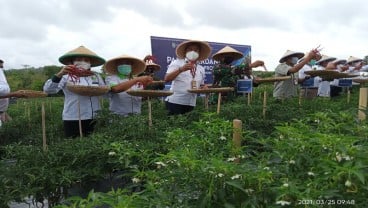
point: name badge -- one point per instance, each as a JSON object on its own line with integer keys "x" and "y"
{"x": 194, "y": 84}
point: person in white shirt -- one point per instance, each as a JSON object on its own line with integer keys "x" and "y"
{"x": 308, "y": 84}
{"x": 122, "y": 75}
{"x": 77, "y": 106}
{"x": 4, "y": 89}
{"x": 289, "y": 66}
{"x": 324, "y": 88}
{"x": 338, "y": 65}
{"x": 355, "y": 65}
{"x": 185, "y": 73}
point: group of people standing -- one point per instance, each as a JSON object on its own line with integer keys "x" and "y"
{"x": 126, "y": 72}
{"x": 296, "y": 64}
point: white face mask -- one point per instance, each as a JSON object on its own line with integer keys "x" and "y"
{"x": 82, "y": 65}
{"x": 192, "y": 55}
{"x": 294, "y": 60}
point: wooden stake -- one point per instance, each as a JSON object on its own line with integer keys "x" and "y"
{"x": 218, "y": 103}
{"x": 362, "y": 103}
{"x": 149, "y": 112}
{"x": 206, "y": 101}
{"x": 348, "y": 95}
{"x": 249, "y": 97}
{"x": 44, "y": 144}
{"x": 264, "y": 104}
{"x": 237, "y": 129}
{"x": 79, "y": 120}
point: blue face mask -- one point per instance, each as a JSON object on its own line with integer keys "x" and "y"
{"x": 124, "y": 69}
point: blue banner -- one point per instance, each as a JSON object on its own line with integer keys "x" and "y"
{"x": 163, "y": 49}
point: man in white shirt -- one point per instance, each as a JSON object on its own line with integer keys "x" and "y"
{"x": 4, "y": 89}
{"x": 185, "y": 73}
{"x": 324, "y": 88}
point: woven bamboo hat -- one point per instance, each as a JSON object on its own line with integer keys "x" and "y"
{"x": 227, "y": 51}
{"x": 340, "y": 61}
{"x": 138, "y": 66}
{"x": 150, "y": 62}
{"x": 81, "y": 51}
{"x": 352, "y": 59}
{"x": 325, "y": 58}
{"x": 205, "y": 49}
{"x": 290, "y": 53}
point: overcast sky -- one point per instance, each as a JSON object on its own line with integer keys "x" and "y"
{"x": 38, "y": 32}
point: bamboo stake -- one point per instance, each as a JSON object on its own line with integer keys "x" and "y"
{"x": 50, "y": 106}
{"x": 264, "y": 104}
{"x": 348, "y": 96}
{"x": 44, "y": 144}
{"x": 249, "y": 97}
{"x": 237, "y": 128}
{"x": 29, "y": 115}
{"x": 79, "y": 120}
{"x": 206, "y": 101}
{"x": 149, "y": 112}
{"x": 362, "y": 103}
{"x": 218, "y": 103}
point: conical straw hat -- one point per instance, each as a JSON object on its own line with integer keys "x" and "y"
{"x": 149, "y": 60}
{"x": 353, "y": 59}
{"x": 340, "y": 61}
{"x": 325, "y": 58}
{"x": 138, "y": 66}
{"x": 205, "y": 49}
{"x": 227, "y": 51}
{"x": 81, "y": 51}
{"x": 290, "y": 53}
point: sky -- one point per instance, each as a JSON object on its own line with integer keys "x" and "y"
{"x": 35, "y": 33}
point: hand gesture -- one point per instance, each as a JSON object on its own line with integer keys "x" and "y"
{"x": 65, "y": 70}
{"x": 145, "y": 80}
{"x": 257, "y": 63}
{"x": 187, "y": 66}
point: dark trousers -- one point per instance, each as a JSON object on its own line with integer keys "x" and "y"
{"x": 335, "y": 91}
{"x": 175, "y": 109}
{"x": 71, "y": 128}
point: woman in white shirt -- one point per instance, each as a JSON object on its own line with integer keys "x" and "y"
{"x": 185, "y": 73}
{"x": 77, "y": 106}
{"x": 122, "y": 75}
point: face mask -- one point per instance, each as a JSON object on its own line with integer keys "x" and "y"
{"x": 312, "y": 62}
{"x": 294, "y": 60}
{"x": 192, "y": 55}
{"x": 125, "y": 69}
{"x": 82, "y": 64}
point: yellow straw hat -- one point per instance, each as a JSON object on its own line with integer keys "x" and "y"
{"x": 138, "y": 66}
{"x": 81, "y": 51}
{"x": 205, "y": 49}
{"x": 227, "y": 51}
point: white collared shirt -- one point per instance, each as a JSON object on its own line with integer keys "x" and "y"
{"x": 4, "y": 89}
{"x": 122, "y": 103}
{"x": 88, "y": 105}
{"x": 182, "y": 83}
{"x": 324, "y": 87}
